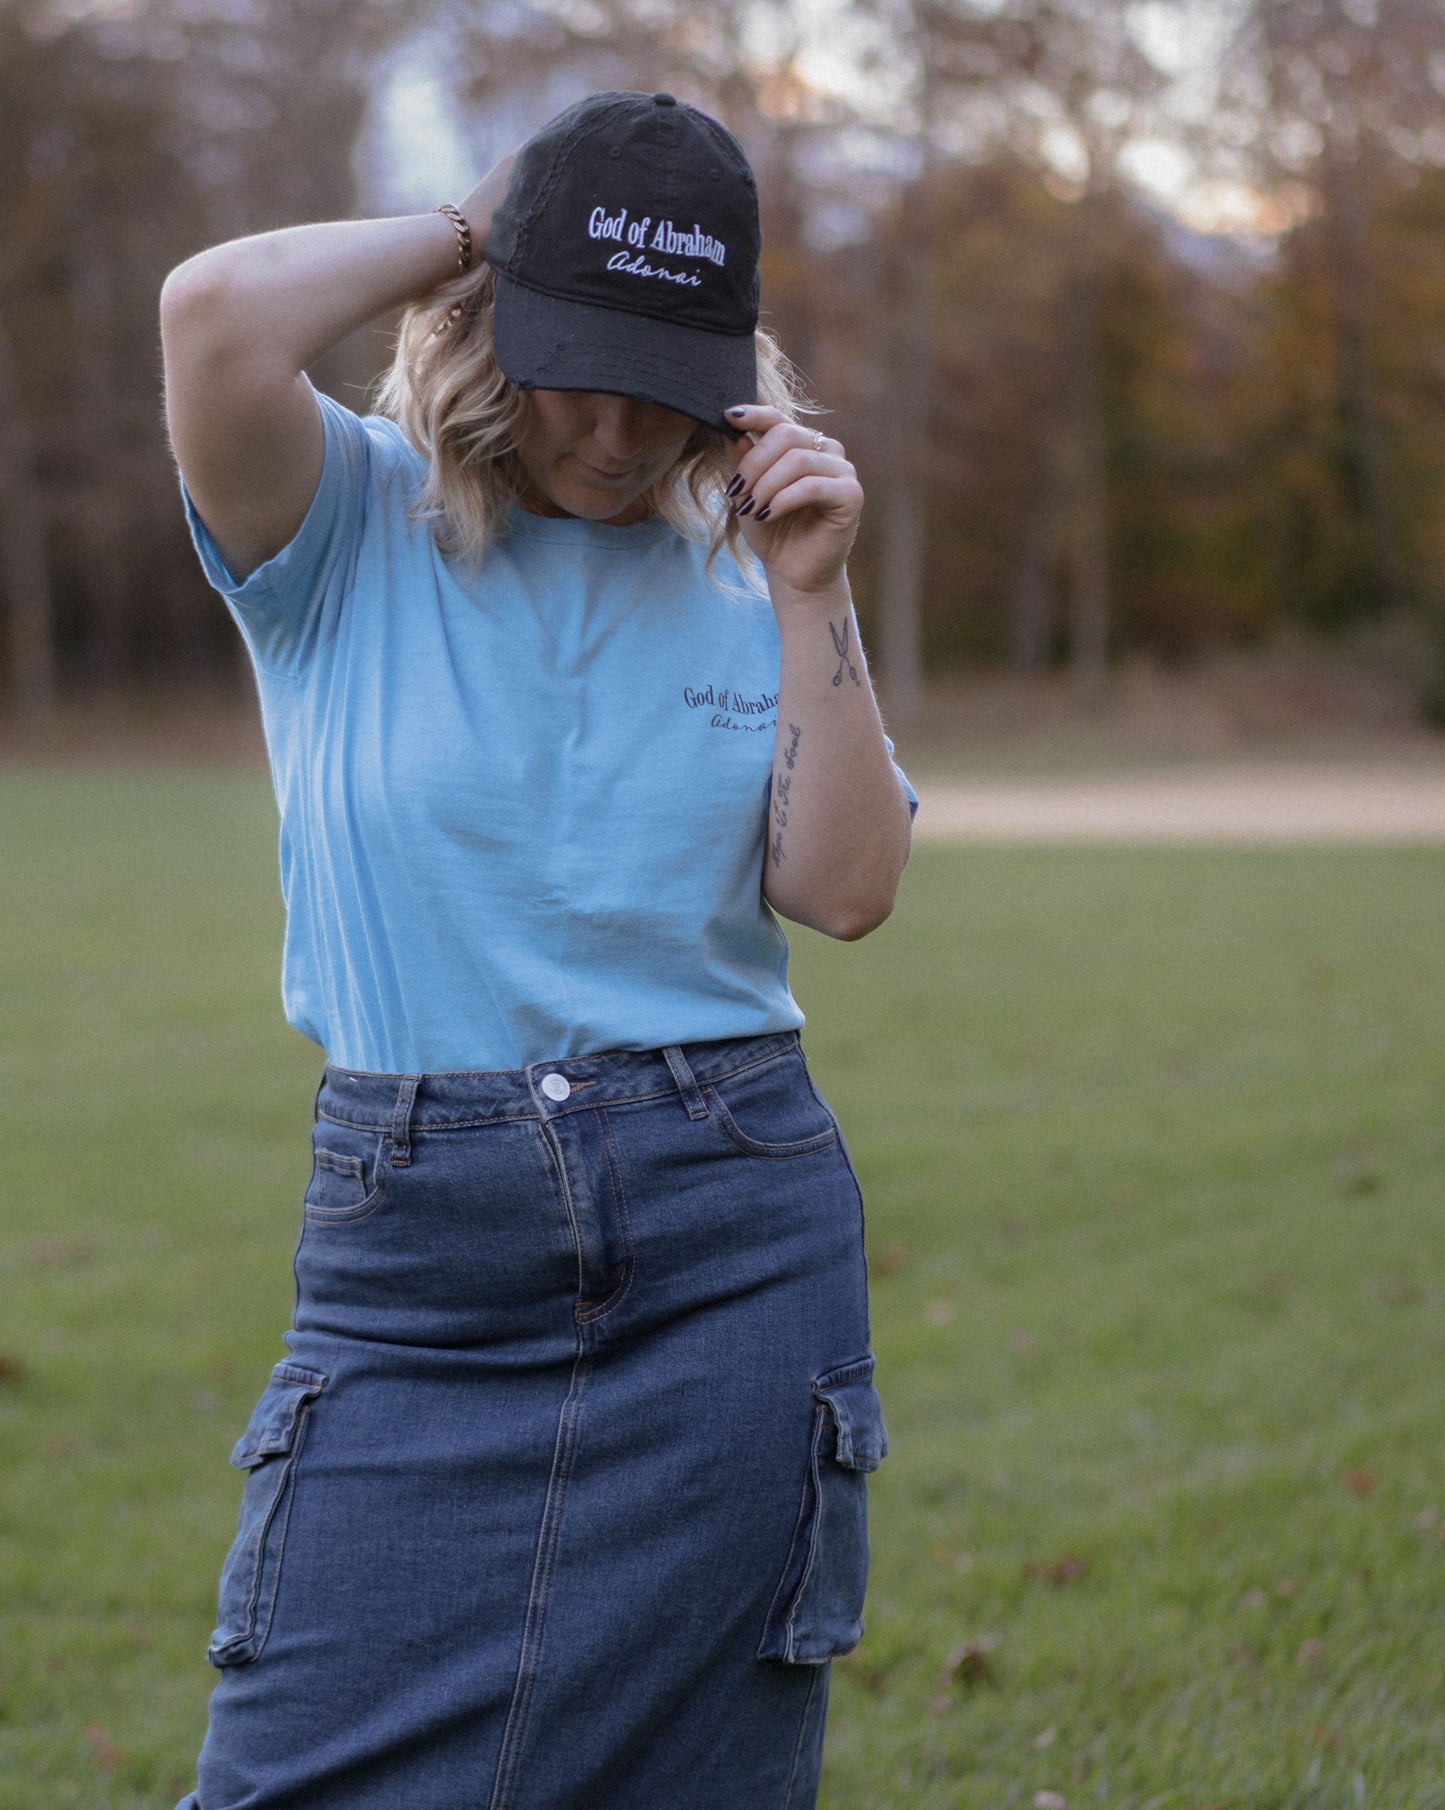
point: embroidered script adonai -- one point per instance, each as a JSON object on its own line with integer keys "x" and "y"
{"x": 626, "y": 253}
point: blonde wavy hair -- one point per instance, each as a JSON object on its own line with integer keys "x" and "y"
{"x": 449, "y": 396}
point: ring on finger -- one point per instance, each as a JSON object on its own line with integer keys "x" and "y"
{"x": 818, "y": 443}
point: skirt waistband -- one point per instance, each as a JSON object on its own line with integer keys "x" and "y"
{"x": 401, "y": 1104}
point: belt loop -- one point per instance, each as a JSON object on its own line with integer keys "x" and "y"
{"x": 320, "y": 1089}
{"x": 401, "y": 1121}
{"x": 686, "y": 1086}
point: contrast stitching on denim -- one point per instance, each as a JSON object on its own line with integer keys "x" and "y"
{"x": 614, "y": 1300}
{"x": 347, "y": 1216}
{"x": 692, "y": 1095}
{"x": 564, "y": 1187}
{"x": 514, "y": 1118}
{"x": 400, "y": 1128}
{"x": 799, "y": 1522}
{"x": 338, "y": 1165}
{"x": 253, "y": 1632}
{"x": 730, "y": 1128}
{"x": 315, "y": 1214}
{"x": 528, "y": 1663}
{"x": 819, "y": 1672}
{"x": 426, "y": 1123}
{"x": 790, "y": 1038}
{"x": 810, "y": 1564}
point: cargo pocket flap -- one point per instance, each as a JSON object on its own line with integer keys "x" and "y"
{"x": 817, "y": 1609}
{"x": 272, "y": 1427}
{"x": 852, "y": 1400}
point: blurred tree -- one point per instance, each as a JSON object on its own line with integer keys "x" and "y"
{"x": 131, "y": 135}
{"x": 1065, "y": 86}
{"x": 1343, "y": 93}
{"x": 1082, "y": 428}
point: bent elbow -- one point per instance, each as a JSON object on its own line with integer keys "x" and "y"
{"x": 855, "y": 921}
{"x": 201, "y": 301}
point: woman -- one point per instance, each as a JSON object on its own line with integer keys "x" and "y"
{"x": 558, "y": 1501}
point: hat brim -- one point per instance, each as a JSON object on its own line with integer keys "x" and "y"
{"x": 544, "y": 342}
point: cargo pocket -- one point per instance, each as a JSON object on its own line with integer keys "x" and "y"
{"x": 817, "y": 1610}
{"x": 267, "y": 1451}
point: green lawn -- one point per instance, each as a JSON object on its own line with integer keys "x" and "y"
{"x": 1151, "y": 1142}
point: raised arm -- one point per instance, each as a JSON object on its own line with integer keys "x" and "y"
{"x": 240, "y": 323}
{"x": 840, "y": 830}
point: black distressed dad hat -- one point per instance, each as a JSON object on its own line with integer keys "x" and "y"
{"x": 626, "y": 253}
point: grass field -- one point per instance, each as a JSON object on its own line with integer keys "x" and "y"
{"x": 1152, "y": 1144}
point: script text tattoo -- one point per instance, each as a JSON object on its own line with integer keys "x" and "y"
{"x": 782, "y": 786}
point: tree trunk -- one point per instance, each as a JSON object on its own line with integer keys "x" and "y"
{"x": 1031, "y": 622}
{"x": 24, "y": 570}
{"x": 909, "y": 395}
{"x": 104, "y": 467}
{"x": 1345, "y": 181}
{"x": 1086, "y": 510}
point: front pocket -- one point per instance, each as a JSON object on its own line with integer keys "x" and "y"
{"x": 772, "y": 1109}
{"x": 348, "y": 1172}
{"x": 817, "y": 1610}
{"x": 267, "y": 1451}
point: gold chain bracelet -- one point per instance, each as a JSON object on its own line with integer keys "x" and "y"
{"x": 463, "y": 232}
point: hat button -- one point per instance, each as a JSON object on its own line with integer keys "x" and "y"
{"x": 665, "y": 100}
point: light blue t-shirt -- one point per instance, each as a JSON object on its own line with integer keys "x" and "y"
{"x": 522, "y": 816}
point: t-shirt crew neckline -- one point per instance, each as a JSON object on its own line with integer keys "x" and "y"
{"x": 576, "y": 531}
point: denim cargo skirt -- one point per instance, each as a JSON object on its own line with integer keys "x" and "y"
{"x": 558, "y": 1502}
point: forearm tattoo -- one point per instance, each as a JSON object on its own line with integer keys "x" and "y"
{"x": 840, "y": 647}
{"x": 782, "y": 786}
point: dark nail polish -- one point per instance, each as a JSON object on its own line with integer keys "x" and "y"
{"x": 763, "y": 514}
{"x": 735, "y": 486}
{"x": 745, "y": 506}
{"x": 737, "y": 411}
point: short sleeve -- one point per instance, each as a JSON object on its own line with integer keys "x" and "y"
{"x": 290, "y": 605}
{"x": 908, "y": 790}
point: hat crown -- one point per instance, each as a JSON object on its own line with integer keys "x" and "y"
{"x": 635, "y": 202}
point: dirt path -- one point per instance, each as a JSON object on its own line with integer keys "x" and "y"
{"x": 1224, "y": 806}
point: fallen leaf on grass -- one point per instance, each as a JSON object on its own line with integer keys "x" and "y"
{"x": 1286, "y": 1588}
{"x": 1322, "y": 1735}
{"x": 1046, "y": 1738}
{"x": 1050, "y": 1800}
{"x": 1253, "y": 1599}
{"x": 873, "y": 1678}
{"x": 1359, "y": 1170}
{"x": 1310, "y": 1652}
{"x": 1360, "y": 1482}
{"x": 1058, "y": 1571}
{"x": 58, "y": 1253}
{"x": 103, "y": 1750}
{"x": 12, "y": 1370}
{"x": 1399, "y": 1291}
{"x": 1426, "y": 1519}
{"x": 890, "y": 1260}
{"x": 938, "y": 1313}
{"x": 1022, "y": 1342}
{"x": 967, "y": 1667}
{"x": 1278, "y": 1286}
